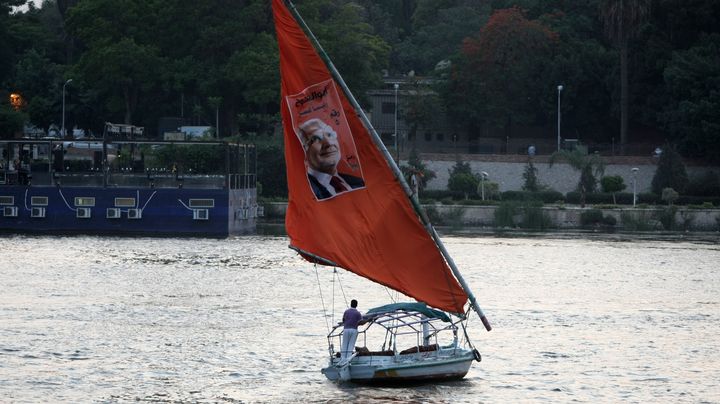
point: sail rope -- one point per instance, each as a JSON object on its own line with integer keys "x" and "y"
{"x": 342, "y": 290}
{"x": 393, "y": 299}
{"x": 322, "y": 300}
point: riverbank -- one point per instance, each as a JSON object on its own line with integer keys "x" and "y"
{"x": 517, "y": 217}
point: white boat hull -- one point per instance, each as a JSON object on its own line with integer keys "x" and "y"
{"x": 424, "y": 366}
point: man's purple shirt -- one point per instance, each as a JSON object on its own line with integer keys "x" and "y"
{"x": 351, "y": 318}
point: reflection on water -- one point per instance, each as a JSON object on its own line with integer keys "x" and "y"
{"x": 604, "y": 319}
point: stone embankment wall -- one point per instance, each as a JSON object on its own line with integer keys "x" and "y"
{"x": 561, "y": 217}
{"x": 569, "y": 217}
{"x": 507, "y": 170}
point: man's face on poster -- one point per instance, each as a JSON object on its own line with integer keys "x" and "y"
{"x": 321, "y": 146}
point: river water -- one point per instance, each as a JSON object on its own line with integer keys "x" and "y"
{"x": 577, "y": 319}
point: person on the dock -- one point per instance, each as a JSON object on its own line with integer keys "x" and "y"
{"x": 351, "y": 319}
{"x": 322, "y": 153}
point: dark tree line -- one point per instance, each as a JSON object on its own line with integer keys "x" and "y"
{"x": 628, "y": 67}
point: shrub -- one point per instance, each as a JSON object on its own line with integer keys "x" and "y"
{"x": 666, "y": 217}
{"x": 504, "y": 215}
{"x": 534, "y": 217}
{"x": 547, "y": 196}
{"x": 591, "y": 217}
{"x": 707, "y": 184}
{"x": 639, "y": 222}
{"x": 670, "y": 172}
{"x": 669, "y": 195}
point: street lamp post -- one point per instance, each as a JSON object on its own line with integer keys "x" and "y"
{"x": 62, "y": 128}
{"x": 634, "y": 171}
{"x": 397, "y": 150}
{"x": 483, "y": 176}
{"x": 559, "y": 88}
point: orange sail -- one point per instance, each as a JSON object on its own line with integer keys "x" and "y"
{"x": 345, "y": 204}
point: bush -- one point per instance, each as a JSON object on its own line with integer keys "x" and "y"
{"x": 594, "y": 217}
{"x": 504, "y": 215}
{"x": 591, "y": 217}
{"x": 534, "y": 217}
{"x": 707, "y": 184}
{"x": 707, "y": 202}
{"x": 547, "y": 196}
{"x": 593, "y": 198}
{"x": 441, "y": 194}
{"x": 649, "y": 198}
{"x": 639, "y": 222}
{"x": 670, "y": 172}
{"x": 666, "y": 217}
{"x": 612, "y": 183}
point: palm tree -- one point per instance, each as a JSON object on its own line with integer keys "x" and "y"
{"x": 590, "y": 166}
{"x": 622, "y": 20}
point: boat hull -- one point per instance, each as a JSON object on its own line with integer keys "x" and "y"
{"x": 155, "y": 212}
{"x": 420, "y": 367}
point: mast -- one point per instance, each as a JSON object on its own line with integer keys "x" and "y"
{"x": 391, "y": 163}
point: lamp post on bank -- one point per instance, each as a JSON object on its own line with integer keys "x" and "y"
{"x": 62, "y": 128}
{"x": 559, "y": 88}
{"x": 483, "y": 177}
{"x": 397, "y": 150}
{"x": 634, "y": 171}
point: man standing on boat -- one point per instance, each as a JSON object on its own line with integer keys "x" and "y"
{"x": 351, "y": 319}
{"x": 322, "y": 152}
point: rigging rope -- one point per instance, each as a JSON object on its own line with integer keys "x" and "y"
{"x": 337, "y": 274}
{"x": 317, "y": 276}
{"x": 393, "y": 299}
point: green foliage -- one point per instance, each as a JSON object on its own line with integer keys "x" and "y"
{"x": 670, "y": 172}
{"x": 462, "y": 179}
{"x": 612, "y": 183}
{"x": 271, "y": 170}
{"x": 510, "y": 55}
{"x": 504, "y": 215}
{"x": 591, "y": 217}
{"x": 417, "y": 167}
{"x": 534, "y": 217}
{"x": 637, "y": 221}
{"x": 666, "y": 217}
{"x": 531, "y": 182}
{"x": 183, "y": 159}
{"x": 463, "y": 182}
{"x": 707, "y": 184}
{"x": 589, "y": 166}
{"x": 669, "y": 195}
{"x": 595, "y": 217}
{"x": 694, "y": 115}
{"x": 11, "y": 121}
{"x": 548, "y": 196}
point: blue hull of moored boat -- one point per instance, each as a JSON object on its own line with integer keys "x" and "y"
{"x": 146, "y": 211}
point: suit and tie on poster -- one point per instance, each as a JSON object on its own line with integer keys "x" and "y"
{"x": 331, "y": 158}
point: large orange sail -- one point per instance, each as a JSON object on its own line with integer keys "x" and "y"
{"x": 345, "y": 204}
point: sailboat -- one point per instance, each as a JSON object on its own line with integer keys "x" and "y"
{"x": 350, "y": 207}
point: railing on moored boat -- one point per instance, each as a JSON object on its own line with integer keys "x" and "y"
{"x": 128, "y": 163}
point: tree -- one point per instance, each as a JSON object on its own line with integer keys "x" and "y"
{"x": 589, "y": 166}
{"x": 462, "y": 179}
{"x": 499, "y": 75}
{"x": 669, "y": 195}
{"x": 613, "y": 184}
{"x": 417, "y": 168}
{"x": 692, "y": 79}
{"x": 530, "y": 176}
{"x": 357, "y": 52}
{"x": 622, "y": 20}
{"x": 670, "y": 172}
{"x": 438, "y": 28}
{"x": 120, "y": 50}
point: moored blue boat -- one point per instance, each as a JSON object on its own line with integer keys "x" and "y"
{"x": 127, "y": 187}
